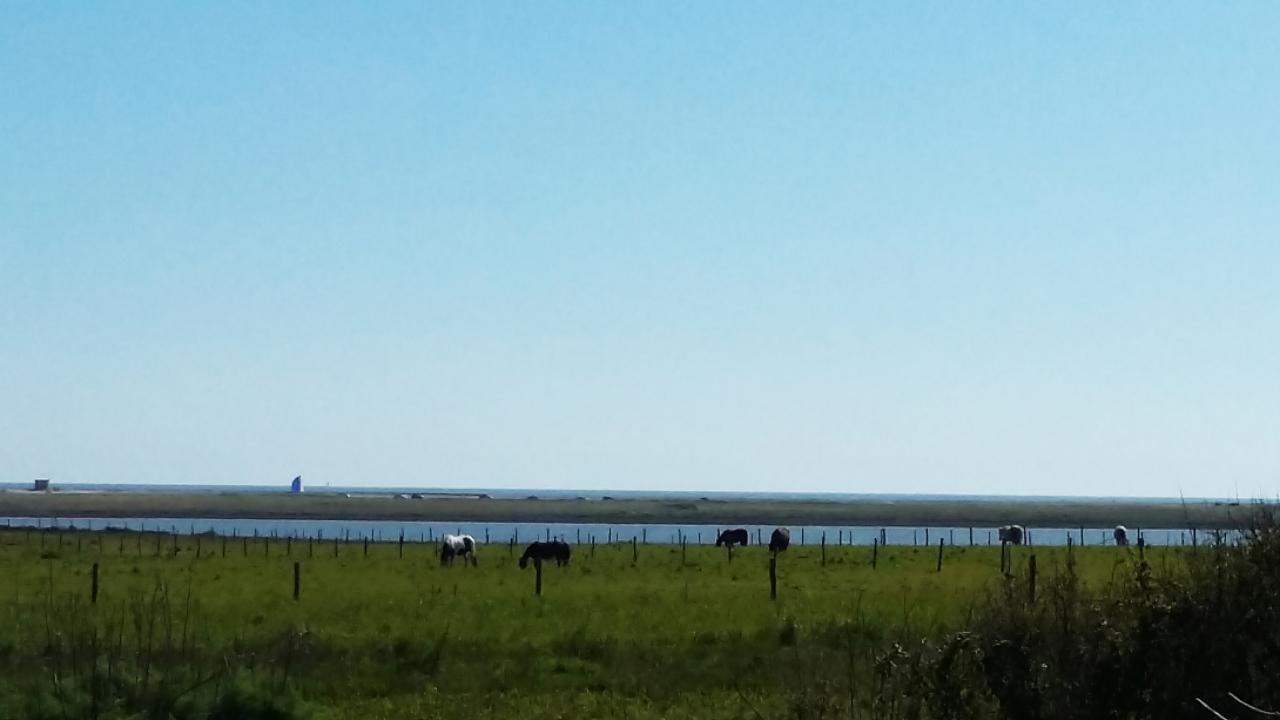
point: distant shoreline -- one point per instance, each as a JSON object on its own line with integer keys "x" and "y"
{"x": 467, "y": 507}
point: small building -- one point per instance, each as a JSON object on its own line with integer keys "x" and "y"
{"x": 41, "y": 485}
{"x": 296, "y": 485}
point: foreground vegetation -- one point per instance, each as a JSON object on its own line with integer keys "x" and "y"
{"x": 665, "y": 632}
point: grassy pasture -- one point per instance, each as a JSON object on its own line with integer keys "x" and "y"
{"x": 389, "y": 636}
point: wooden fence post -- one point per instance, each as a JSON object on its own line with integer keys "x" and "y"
{"x": 297, "y": 580}
{"x": 634, "y": 555}
{"x": 335, "y": 546}
{"x": 366, "y": 546}
{"x": 824, "y": 549}
{"x": 926, "y": 537}
{"x": 1031, "y": 577}
{"x": 401, "y": 548}
{"x": 683, "y": 550}
{"x": 288, "y": 546}
{"x": 773, "y": 578}
{"x": 593, "y": 546}
{"x": 93, "y": 589}
{"x": 970, "y": 537}
{"x": 941, "y": 543}
{"x": 875, "y": 552}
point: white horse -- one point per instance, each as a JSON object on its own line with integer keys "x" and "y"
{"x": 452, "y": 546}
{"x": 1121, "y": 535}
{"x": 1012, "y": 534}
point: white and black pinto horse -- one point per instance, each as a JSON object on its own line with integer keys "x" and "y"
{"x": 451, "y": 546}
{"x": 779, "y": 540}
{"x": 1012, "y": 534}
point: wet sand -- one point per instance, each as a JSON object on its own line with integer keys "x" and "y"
{"x": 332, "y": 506}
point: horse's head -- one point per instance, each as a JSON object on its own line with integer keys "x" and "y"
{"x": 524, "y": 561}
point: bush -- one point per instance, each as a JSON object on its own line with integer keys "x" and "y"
{"x": 1142, "y": 647}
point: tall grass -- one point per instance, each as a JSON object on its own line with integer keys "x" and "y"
{"x": 1150, "y": 642}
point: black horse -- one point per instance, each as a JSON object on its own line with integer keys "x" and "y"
{"x": 780, "y": 540}
{"x": 733, "y": 537}
{"x": 554, "y": 550}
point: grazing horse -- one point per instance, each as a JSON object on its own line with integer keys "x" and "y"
{"x": 1012, "y": 534}
{"x": 733, "y": 537}
{"x": 554, "y": 550}
{"x": 452, "y": 546}
{"x": 1121, "y": 535}
{"x": 779, "y": 540}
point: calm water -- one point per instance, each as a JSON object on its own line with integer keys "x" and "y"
{"x": 423, "y": 531}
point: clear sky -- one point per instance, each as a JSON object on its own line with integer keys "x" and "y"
{"x": 858, "y": 247}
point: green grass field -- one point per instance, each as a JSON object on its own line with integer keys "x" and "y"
{"x": 389, "y": 636}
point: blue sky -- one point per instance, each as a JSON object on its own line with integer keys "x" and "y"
{"x": 905, "y": 247}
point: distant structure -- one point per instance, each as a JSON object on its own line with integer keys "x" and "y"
{"x": 41, "y": 485}
{"x": 296, "y": 485}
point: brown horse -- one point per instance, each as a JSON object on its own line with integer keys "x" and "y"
{"x": 554, "y": 550}
{"x": 733, "y": 537}
{"x": 780, "y": 540}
